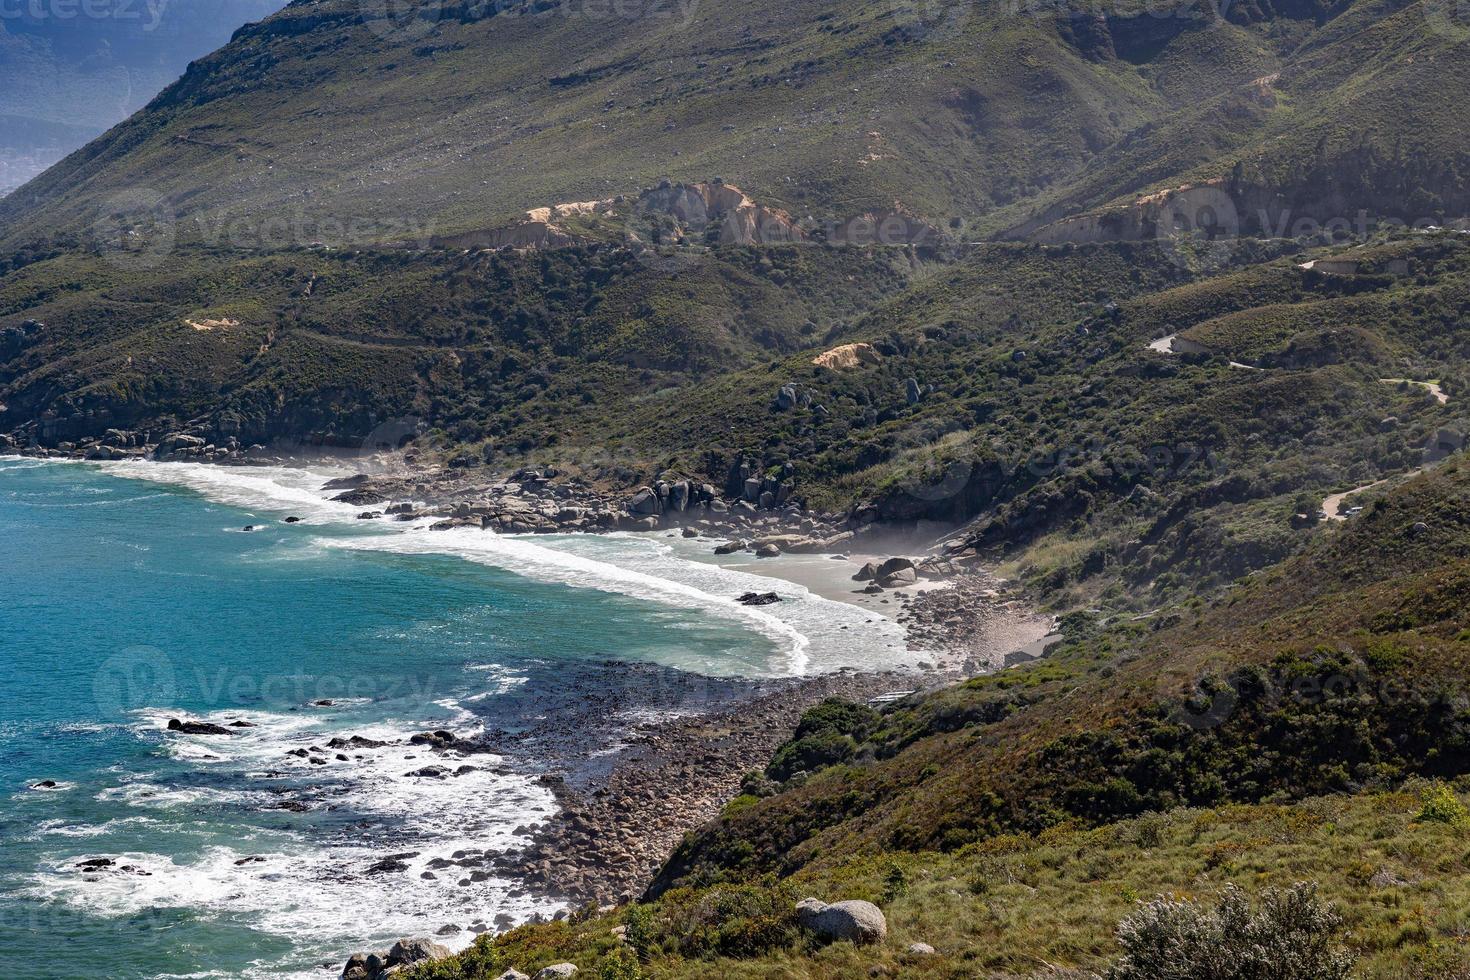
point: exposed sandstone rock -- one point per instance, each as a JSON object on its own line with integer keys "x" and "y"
{"x": 848, "y": 357}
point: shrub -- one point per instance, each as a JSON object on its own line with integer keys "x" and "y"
{"x": 742, "y": 921}
{"x": 1441, "y": 805}
{"x": 619, "y": 965}
{"x": 1291, "y": 937}
{"x": 827, "y": 735}
{"x": 482, "y": 959}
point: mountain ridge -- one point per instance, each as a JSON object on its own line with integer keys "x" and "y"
{"x": 472, "y": 113}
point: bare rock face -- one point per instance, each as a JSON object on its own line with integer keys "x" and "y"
{"x": 743, "y": 222}
{"x": 854, "y": 921}
{"x": 848, "y": 357}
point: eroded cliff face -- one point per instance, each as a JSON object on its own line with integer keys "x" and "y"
{"x": 540, "y": 228}
{"x": 677, "y": 210}
{"x": 741, "y": 220}
{"x": 1351, "y": 191}
{"x": 1189, "y": 208}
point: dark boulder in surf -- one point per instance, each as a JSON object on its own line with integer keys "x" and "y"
{"x": 196, "y": 728}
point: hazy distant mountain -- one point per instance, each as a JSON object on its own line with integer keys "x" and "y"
{"x": 70, "y": 71}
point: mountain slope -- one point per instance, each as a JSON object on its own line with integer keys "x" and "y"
{"x": 335, "y": 115}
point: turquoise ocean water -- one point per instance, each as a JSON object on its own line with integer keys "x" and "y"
{"x": 132, "y": 595}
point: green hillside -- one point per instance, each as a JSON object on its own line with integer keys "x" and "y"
{"x": 1103, "y": 469}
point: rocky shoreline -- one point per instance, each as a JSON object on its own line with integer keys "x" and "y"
{"x": 963, "y": 626}
{"x": 402, "y": 486}
{"x": 623, "y": 811}
{"x": 617, "y": 827}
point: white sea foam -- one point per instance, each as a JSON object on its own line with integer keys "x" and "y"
{"x": 312, "y": 883}
{"x": 62, "y": 828}
{"x": 536, "y": 561}
{"x": 810, "y": 633}
{"x": 297, "y": 884}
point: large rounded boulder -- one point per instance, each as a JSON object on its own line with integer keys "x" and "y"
{"x": 854, "y": 921}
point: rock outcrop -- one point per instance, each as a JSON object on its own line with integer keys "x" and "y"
{"x": 741, "y": 221}
{"x": 196, "y": 728}
{"x": 848, "y": 357}
{"x": 405, "y": 953}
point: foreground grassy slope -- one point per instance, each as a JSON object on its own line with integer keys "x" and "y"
{"x": 1290, "y": 730}
{"x": 1027, "y": 905}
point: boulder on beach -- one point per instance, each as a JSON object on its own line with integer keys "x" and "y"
{"x": 417, "y": 951}
{"x": 768, "y": 550}
{"x": 898, "y": 579}
{"x": 894, "y": 565}
{"x": 645, "y": 503}
{"x": 867, "y": 573}
{"x": 856, "y": 921}
{"x": 896, "y": 572}
{"x": 758, "y": 598}
{"x": 730, "y": 547}
{"x": 178, "y": 442}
